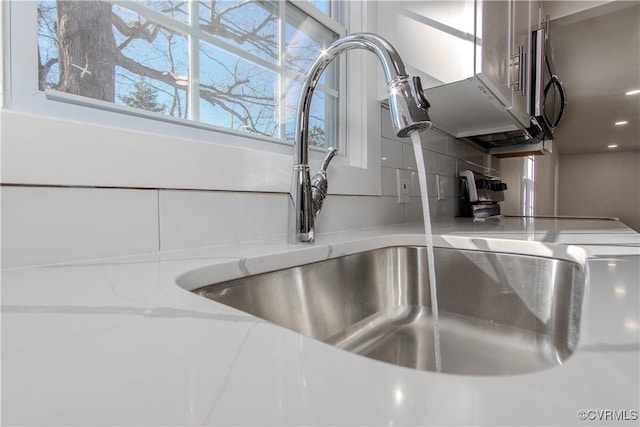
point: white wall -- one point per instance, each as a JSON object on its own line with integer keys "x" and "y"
{"x": 604, "y": 184}
{"x": 511, "y": 173}
{"x": 53, "y": 224}
{"x": 546, "y": 168}
{"x": 545, "y": 184}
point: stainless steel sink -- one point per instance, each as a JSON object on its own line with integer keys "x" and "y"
{"x": 499, "y": 314}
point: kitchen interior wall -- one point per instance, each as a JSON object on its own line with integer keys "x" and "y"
{"x": 512, "y": 175}
{"x": 601, "y": 184}
{"x": 590, "y": 184}
{"x": 545, "y": 191}
{"x": 51, "y": 224}
{"x": 545, "y": 186}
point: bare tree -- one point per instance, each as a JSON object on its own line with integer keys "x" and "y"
{"x": 230, "y": 21}
{"x": 86, "y": 45}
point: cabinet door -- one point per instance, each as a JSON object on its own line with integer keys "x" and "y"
{"x": 520, "y": 79}
{"x": 493, "y": 22}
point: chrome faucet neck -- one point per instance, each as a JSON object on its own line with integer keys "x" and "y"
{"x": 407, "y": 106}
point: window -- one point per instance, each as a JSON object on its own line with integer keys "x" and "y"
{"x": 528, "y": 186}
{"x": 52, "y": 137}
{"x": 231, "y": 64}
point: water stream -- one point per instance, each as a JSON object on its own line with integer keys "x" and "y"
{"x": 422, "y": 179}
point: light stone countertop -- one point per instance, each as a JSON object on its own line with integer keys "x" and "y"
{"x": 117, "y": 342}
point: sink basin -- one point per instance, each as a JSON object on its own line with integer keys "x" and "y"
{"x": 499, "y": 314}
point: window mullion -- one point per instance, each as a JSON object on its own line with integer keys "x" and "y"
{"x": 155, "y": 16}
{"x": 300, "y": 78}
{"x": 282, "y": 77}
{"x": 193, "y": 89}
{"x": 325, "y": 20}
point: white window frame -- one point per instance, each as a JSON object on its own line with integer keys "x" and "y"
{"x": 528, "y": 185}
{"x": 48, "y": 142}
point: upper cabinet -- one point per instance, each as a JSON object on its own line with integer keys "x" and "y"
{"x": 473, "y": 58}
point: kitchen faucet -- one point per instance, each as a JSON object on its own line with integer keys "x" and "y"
{"x": 407, "y": 105}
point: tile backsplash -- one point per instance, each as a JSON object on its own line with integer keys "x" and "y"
{"x": 444, "y": 156}
{"x": 191, "y": 219}
{"x": 45, "y": 225}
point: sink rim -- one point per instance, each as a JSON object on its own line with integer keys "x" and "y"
{"x": 226, "y": 268}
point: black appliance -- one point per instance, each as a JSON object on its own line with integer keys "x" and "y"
{"x": 480, "y": 195}
{"x": 548, "y": 96}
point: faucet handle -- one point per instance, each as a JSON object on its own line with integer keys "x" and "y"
{"x": 421, "y": 99}
{"x": 331, "y": 152}
{"x": 319, "y": 183}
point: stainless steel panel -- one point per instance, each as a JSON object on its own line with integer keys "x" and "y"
{"x": 499, "y": 313}
{"x": 493, "y": 20}
{"x": 521, "y": 43}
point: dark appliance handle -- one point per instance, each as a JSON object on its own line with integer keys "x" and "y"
{"x": 555, "y": 81}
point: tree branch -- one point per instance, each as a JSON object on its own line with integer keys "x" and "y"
{"x": 134, "y": 30}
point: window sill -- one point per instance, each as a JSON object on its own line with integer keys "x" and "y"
{"x": 44, "y": 150}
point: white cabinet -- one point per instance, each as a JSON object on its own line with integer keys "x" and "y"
{"x": 473, "y": 58}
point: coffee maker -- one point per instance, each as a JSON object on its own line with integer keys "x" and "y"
{"x": 480, "y": 195}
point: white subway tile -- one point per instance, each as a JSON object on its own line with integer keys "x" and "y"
{"x": 414, "y": 210}
{"x": 44, "y": 225}
{"x": 462, "y": 150}
{"x": 444, "y": 208}
{"x": 474, "y": 163}
{"x": 377, "y": 211}
{"x": 437, "y": 209}
{"x": 389, "y": 182}
{"x": 391, "y": 153}
{"x": 339, "y": 213}
{"x": 408, "y": 157}
{"x": 451, "y": 187}
{"x": 440, "y": 164}
{"x": 433, "y": 207}
{"x": 431, "y": 185}
{"x": 260, "y": 216}
{"x": 415, "y": 185}
{"x": 434, "y": 140}
{"x": 191, "y": 219}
